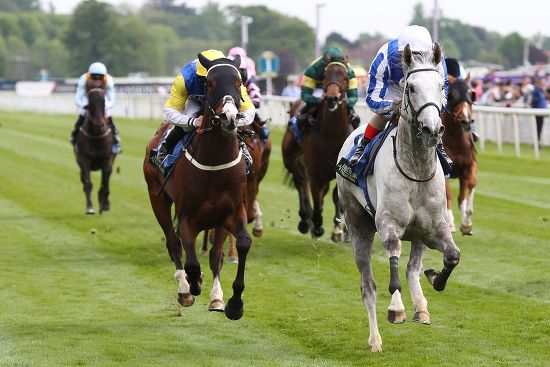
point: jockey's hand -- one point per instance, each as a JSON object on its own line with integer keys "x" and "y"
{"x": 395, "y": 104}
{"x": 197, "y": 123}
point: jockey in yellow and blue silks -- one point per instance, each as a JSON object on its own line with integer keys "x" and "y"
{"x": 96, "y": 77}
{"x": 184, "y": 108}
{"x": 386, "y": 75}
{"x": 313, "y": 78}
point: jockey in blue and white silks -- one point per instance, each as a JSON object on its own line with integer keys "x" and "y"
{"x": 96, "y": 77}
{"x": 386, "y": 79}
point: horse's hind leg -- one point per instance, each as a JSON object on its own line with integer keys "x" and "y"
{"x": 450, "y": 216}
{"x": 414, "y": 267}
{"x": 234, "y": 309}
{"x": 216, "y": 261}
{"x": 258, "y": 228}
{"x": 337, "y": 232}
{"x": 442, "y": 240}
{"x": 87, "y": 186}
{"x": 103, "y": 193}
{"x": 362, "y": 233}
{"x": 390, "y": 235}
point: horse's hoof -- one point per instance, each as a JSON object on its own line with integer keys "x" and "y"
{"x": 452, "y": 227}
{"x": 257, "y": 232}
{"x": 216, "y": 305}
{"x": 422, "y": 317}
{"x": 186, "y": 299}
{"x": 397, "y": 316}
{"x": 440, "y": 283}
{"x": 90, "y": 211}
{"x": 104, "y": 209}
{"x": 337, "y": 237}
{"x": 234, "y": 309}
{"x": 303, "y": 227}
{"x": 317, "y": 232}
{"x": 233, "y": 259}
{"x": 204, "y": 252}
{"x": 466, "y": 230}
{"x": 431, "y": 274}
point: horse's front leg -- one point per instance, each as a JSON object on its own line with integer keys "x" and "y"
{"x": 442, "y": 240}
{"x": 305, "y": 206}
{"x": 216, "y": 262}
{"x": 234, "y": 309}
{"x": 450, "y": 216}
{"x": 318, "y": 192}
{"x": 258, "y": 228}
{"x": 103, "y": 193}
{"x": 466, "y": 199}
{"x": 390, "y": 235}
{"x": 414, "y": 267}
{"x": 337, "y": 232}
{"x": 87, "y": 186}
{"x": 192, "y": 266}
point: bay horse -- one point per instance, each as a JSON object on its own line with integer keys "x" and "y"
{"x": 407, "y": 193}
{"x": 259, "y": 151}
{"x": 311, "y": 164}
{"x": 208, "y": 189}
{"x": 459, "y": 145}
{"x": 93, "y": 150}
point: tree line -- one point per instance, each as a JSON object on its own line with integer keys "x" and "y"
{"x": 162, "y": 35}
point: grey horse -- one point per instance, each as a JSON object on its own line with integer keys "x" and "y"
{"x": 407, "y": 192}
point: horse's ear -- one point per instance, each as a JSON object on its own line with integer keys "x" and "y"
{"x": 437, "y": 54}
{"x": 473, "y": 95}
{"x": 346, "y": 60}
{"x": 237, "y": 61}
{"x": 327, "y": 58}
{"x": 468, "y": 78}
{"x": 451, "y": 79}
{"x": 407, "y": 55}
{"x": 204, "y": 61}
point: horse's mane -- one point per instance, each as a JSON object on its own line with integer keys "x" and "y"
{"x": 420, "y": 60}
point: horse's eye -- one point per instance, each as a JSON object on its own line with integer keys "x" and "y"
{"x": 411, "y": 88}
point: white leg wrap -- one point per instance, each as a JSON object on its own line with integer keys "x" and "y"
{"x": 216, "y": 293}
{"x": 183, "y": 286}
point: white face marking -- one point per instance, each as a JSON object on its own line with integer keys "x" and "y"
{"x": 466, "y": 113}
{"x": 230, "y": 110}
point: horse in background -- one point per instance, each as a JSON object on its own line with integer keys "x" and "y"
{"x": 311, "y": 164}
{"x": 459, "y": 145}
{"x": 93, "y": 150}
{"x": 406, "y": 195}
{"x": 208, "y": 189}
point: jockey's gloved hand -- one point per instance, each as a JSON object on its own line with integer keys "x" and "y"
{"x": 395, "y": 104}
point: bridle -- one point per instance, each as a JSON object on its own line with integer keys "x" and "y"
{"x": 413, "y": 117}
{"x": 413, "y": 121}
{"x": 339, "y": 99}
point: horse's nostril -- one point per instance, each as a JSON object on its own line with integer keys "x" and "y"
{"x": 441, "y": 130}
{"x": 426, "y": 130}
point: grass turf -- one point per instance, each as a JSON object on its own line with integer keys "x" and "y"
{"x": 82, "y": 290}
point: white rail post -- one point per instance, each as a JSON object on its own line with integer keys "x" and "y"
{"x": 481, "y": 131}
{"x": 499, "y": 133}
{"x": 535, "y": 136}
{"x": 516, "y": 134}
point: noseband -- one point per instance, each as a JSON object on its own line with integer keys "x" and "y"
{"x": 413, "y": 118}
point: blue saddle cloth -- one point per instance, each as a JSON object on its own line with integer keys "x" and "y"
{"x": 175, "y": 153}
{"x": 365, "y": 165}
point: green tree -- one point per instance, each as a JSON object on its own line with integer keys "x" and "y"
{"x": 91, "y": 34}
{"x": 511, "y": 49}
{"x": 49, "y": 54}
{"x": 19, "y": 5}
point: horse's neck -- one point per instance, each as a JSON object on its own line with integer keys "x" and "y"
{"x": 215, "y": 147}
{"x": 411, "y": 151}
{"x": 335, "y": 122}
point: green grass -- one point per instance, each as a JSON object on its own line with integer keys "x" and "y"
{"x": 69, "y": 297}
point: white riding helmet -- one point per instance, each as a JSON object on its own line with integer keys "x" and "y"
{"x": 97, "y": 68}
{"x": 417, "y": 37}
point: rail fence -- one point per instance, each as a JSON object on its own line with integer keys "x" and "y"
{"x": 495, "y": 124}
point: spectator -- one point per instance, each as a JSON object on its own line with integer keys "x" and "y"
{"x": 538, "y": 100}
{"x": 291, "y": 89}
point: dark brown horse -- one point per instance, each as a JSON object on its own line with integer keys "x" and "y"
{"x": 208, "y": 189}
{"x": 260, "y": 152}
{"x": 93, "y": 150}
{"x": 459, "y": 145}
{"x": 311, "y": 163}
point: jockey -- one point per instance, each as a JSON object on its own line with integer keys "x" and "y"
{"x": 386, "y": 75}
{"x": 313, "y": 78}
{"x": 96, "y": 77}
{"x": 248, "y": 73}
{"x": 184, "y": 108}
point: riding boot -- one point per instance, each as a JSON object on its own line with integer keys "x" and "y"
{"x": 247, "y": 156}
{"x": 117, "y": 149}
{"x": 173, "y": 136}
{"x": 76, "y": 128}
{"x": 354, "y": 118}
{"x": 475, "y": 135}
{"x": 359, "y": 151}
